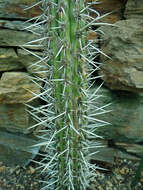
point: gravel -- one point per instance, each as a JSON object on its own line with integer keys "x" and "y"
{"x": 118, "y": 176}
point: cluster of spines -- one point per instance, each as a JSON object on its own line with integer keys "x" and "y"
{"x": 68, "y": 117}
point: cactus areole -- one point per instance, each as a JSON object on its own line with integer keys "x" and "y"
{"x": 68, "y": 117}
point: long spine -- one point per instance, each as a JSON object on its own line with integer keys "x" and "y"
{"x": 69, "y": 113}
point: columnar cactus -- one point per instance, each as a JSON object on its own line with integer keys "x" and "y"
{"x": 69, "y": 114}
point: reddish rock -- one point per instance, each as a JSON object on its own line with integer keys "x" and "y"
{"x": 14, "y": 9}
{"x": 123, "y": 44}
{"x": 115, "y": 7}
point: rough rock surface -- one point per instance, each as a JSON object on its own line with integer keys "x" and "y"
{"x": 134, "y": 9}
{"x": 15, "y": 9}
{"x": 16, "y": 87}
{"x": 13, "y": 24}
{"x": 14, "y": 118}
{"x": 125, "y": 118}
{"x": 115, "y": 8}
{"x": 108, "y": 154}
{"x": 9, "y": 60}
{"x": 32, "y": 64}
{"x": 123, "y": 72}
{"x": 16, "y": 149}
{"x": 12, "y": 59}
{"x": 15, "y": 84}
{"x": 123, "y": 43}
{"x": 15, "y": 38}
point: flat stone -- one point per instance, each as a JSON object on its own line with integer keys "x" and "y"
{"x": 15, "y": 9}
{"x": 16, "y": 60}
{"x": 123, "y": 44}
{"x": 14, "y": 117}
{"x": 33, "y": 64}
{"x": 13, "y": 24}
{"x": 107, "y": 154}
{"x": 16, "y": 87}
{"x": 9, "y": 60}
{"x": 16, "y": 149}
{"x": 125, "y": 118}
{"x": 134, "y": 9}
{"x": 16, "y": 38}
{"x": 115, "y": 8}
{"x": 136, "y": 149}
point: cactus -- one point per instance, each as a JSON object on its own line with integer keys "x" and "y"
{"x": 68, "y": 115}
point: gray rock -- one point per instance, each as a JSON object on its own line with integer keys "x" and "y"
{"x": 125, "y": 117}
{"x": 16, "y": 87}
{"x": 19, "y": 25}
{"x": 33, "y": 64}
{"x": 16, "y": 149}
{"x": 123, "y": 43}
{"x": 134, "y": 9}
{"x": 14, "y": 25}
{"x": 136, "y": 149}
{"x": 16, "y": 38}
{"x": 109, "y": 154}
{"x": 15, "y": 60}
{"x": 9, "y": 60}
{"x": 14, "y": 118}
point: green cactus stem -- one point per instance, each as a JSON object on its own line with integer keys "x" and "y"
{"x": 69, "y": 114}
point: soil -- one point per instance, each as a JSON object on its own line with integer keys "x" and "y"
{"x": 117, "y": 177}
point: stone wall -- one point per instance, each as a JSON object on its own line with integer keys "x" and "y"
{"x": 122, "y": 75}
{"x": 15, "y": 83}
